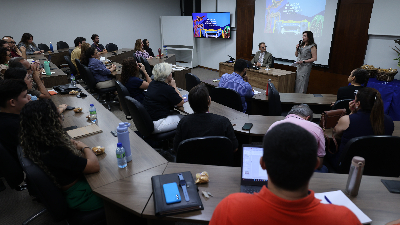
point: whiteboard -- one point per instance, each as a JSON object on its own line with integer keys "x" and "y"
{"x": 177, "y": 30}
{"x": 385, "y": 18}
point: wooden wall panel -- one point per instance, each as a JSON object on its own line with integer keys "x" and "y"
{"x": 349, "y": 42}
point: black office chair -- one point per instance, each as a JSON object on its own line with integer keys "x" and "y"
{"x": 53, "y": 199}
{"x": 62, "y": 45}
{"x": 10, "y": 169}
{"x": 110, "y": 47}
{"x": 342, "y": 104}
{"x": 43, "y": 47}
{"x": 70, "y": 51}
{"x": 82, "y": 74}
{"x": 191, "y": 81}
{"x": 72, "y": 68}
{"x": 272, "y": 62}
{"x": 227, "y": 97}
{"x": 211, "y": 150}
{"x": 146, "y": 66}
{"x": 122, "y": 93}
{"x": 381, "y": 154}
{"x": 274, "y": 101}
{"x": 91, "y": 83}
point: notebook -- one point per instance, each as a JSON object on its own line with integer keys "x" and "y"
{"x": 253, "y": 176}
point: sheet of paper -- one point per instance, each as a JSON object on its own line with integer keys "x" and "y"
{"x": 339, "y": 198}
{"x": 257, "y": 92}
{"x": 102, "y": 59}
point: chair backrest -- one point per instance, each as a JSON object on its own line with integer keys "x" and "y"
{"x": 342, "y": 104}
{"x": 272, "y": 62}
{"x": 111, "y": 47}
{"x": 274, "y": 101}
{"x": 81, "y": 70}
{"x": 140, "y": 116}
{"x": 10, "y": 168}
{"x": 227, "y": 97}
{"x": 122, "y": 93}
{"x": 381, "y": 154}
{"x": 90, "y": 80}
{"x": 146, "y": 66}
{"x": 70, "y": 65}
{"x": 43, "y": 47}
{"x": 191, "y": 81}
{"x": 47, "y": 192}
{"x": 62, "y": 45}
{"x": 211, "y": 150}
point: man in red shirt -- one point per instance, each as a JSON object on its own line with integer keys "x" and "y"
{"x": 290, "y": 158}
{"x": 15, "y": 52}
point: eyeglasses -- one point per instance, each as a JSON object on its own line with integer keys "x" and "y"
{"x": 12, "y": 42}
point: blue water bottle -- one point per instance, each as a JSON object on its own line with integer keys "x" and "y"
{"x": 121, "y": 158}
{"x": 51, "y": 47}
{"x": 123, "y": 138}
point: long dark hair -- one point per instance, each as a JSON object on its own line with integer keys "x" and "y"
{"x": 88, "y": 54}
{"x": 84, "y": 47}
{"x": 371, "y": 101}
{"x": 310, "y": 37}
{"x": 362, "y": 76}
{"x": 129, "y": 69}
{"x": 25, "y": 38}
{"x": 145, "y": 45}
{"x": 3, "y": 55}
{"x": 41, "y": 127}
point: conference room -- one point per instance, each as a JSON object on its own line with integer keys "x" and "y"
{"x": 172, "y": 28}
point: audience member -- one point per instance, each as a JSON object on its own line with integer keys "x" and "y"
{"x": 262, "y": 57}
{"x": 202, "y": 123}
{"x": 302, "y": 116}
{"x": 146, "y": 47}
{"x": 358, "y": 79}
{"x": 100, "y": 48}
{"x": 64, "y": 160}
{"x": 13, "y": 96}
{"x": 4, "y": 58}
{"x": 161, "y": 97}
{"x": 76, "y": 53}
{"x": 238, "y": 81}
{"x": 101, "y": 73}
{"x": 29, "y": 45}
{"x": 129, "y": 78}
{"x": 4, "y": 44}
{"x": 15, "y": 52}
{"x": 289, "y": 158}
{"x": 84, "y": 47}
{"x": 139, "y": 51}
{"x": 366, "y": 118}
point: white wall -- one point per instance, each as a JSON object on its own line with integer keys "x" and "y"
{"x": 119, "y": 21}
{"x": 383, "y": 30}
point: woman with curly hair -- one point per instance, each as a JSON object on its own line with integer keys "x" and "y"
{"x": 129, "y": 78}
{"x": 84, "y": 47}
{"x": 27, "y": 42}
{"x": 139, "y": 50}
{"x": 64, "y": 160}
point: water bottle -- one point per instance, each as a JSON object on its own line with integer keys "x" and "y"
{"x": 166, "y": 53}
{"x": 121, "y": 158}
{"x": 355, "y": 175}
{"x": 93, "y": 113}
{"x": 51, "y": 47}
{"x": 123, "y": 138}
{"x": 73, "y": 82}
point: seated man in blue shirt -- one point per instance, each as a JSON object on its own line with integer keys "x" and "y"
{"x": 238, "y": 81}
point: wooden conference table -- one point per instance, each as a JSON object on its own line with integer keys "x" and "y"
{"x": 283, "y": 80}
{"x": 129, "y": 190}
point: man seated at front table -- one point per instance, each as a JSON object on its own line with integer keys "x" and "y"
{"x": 262, "y": 57}
{"x": 302, "y": 115}
{"x": 238, "y": 81}
{"x": 100, "y": 48}
{"x": 76, "y": 53}
{"x": 289, "y": 158}
{"x": 202, "y": 123}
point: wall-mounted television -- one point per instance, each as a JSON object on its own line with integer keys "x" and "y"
{"x": 212, "y": 25}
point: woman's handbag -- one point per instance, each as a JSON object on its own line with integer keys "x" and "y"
{"x": 329, "y": 119}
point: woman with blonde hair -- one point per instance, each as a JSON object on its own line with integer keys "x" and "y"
{"x": 64, "y": 160}
{"x": 161, "y": 97}
{"x": 139, "y": 50}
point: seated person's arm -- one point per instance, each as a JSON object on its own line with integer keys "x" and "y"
{"x": 36, "y": 77}
{"x": 62, "y": 108}
{"x": 99, "y": 68}
{"x": 173, "y": 84}
{"x": 321, "y": 162}
{"x": 92, "y": 165}
{"x": 146, "y": 83}
{"x": 341, "y": 126}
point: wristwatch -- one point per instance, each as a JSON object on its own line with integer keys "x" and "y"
{"x": 182, "y": 183}
{"x": 304, "y": 61}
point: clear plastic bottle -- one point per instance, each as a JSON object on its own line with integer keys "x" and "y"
{"x": 73, "y": 82}
{"x": 121, "y": 158}
{"x": 93, "y": 113}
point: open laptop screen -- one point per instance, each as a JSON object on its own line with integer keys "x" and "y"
{"x": 252, "y": 173}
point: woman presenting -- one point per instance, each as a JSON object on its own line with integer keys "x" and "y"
{"x": 306, "y": 54}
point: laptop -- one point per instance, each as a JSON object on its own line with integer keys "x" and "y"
{"x": 253, "y": 176}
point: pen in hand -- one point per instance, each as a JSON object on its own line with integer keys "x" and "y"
{"x": 326, "y": 198}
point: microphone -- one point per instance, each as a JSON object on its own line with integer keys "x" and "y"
{"x": 299, "y": 45}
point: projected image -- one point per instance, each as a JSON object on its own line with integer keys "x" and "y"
{"x": 211, "y": 25}
{"x": 294, "y": 17}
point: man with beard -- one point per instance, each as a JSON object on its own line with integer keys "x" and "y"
{"x": 100, "y": 48}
